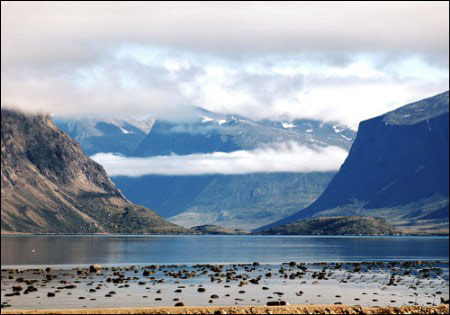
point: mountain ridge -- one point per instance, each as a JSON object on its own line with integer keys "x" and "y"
{"x": 48, "y": 185}
{"x": 398, "y": 161}
{"x": 232, "y": 201}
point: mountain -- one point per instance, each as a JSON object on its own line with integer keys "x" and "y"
{"x": 353, "y": 225}
{"x": 168, "y": 138}
{"x": 397, "y": 168}
{"x": 48, "y": 185}
{"x": 212, "y": 132}
{"x": 234, "y": 201}
{"x": 105, "y": 134}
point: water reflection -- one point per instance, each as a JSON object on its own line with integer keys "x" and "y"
{"x": 120, "y": 250}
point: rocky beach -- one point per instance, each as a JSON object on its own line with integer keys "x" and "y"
{"x": 255, "y": 288}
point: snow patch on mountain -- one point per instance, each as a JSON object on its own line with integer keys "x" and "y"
{"x": 206, "y": 119}
{"x": 124, "y": 130}
{"x": 338, "y": 129}
{"x": 346, "y": 138}
{"x": 221, "y": 122}
{"x": 286, "y": 125}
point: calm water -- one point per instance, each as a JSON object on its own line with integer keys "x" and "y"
{"x": 125, "y": 250}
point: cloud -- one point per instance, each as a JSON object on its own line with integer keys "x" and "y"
{"x": 347, "y": 94}
{"x": 281, "y": 158}
{"x": 341, "y": 62}
{"x": 173, "y": 85}
{"x": 78, "y": 31}
{"x": 116, "y": 87}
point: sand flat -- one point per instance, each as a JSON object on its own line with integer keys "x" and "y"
{"x": 291, "y": 309}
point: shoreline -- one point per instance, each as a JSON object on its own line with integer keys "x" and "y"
{"x": 251, "y": 288}
{"x": 290, "y": 309}
{"x": 6, "y": 233}
{"x": 38, "y": 267}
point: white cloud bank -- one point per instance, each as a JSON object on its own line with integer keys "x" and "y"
{"x": 282, "y": 158}
{"x": 333, "y": 61}
{"x": 47, "y": 32}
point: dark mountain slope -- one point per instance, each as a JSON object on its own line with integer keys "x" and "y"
{"x": 48, "y": 185}
{"x": 397, "y": 168}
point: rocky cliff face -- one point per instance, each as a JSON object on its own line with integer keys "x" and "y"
{"x": 397, "y": 168}
{"x": 48, "y": 185}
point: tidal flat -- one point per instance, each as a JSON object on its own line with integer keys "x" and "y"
{"x": 365, "y": 284}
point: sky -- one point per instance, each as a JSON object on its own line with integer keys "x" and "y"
{"x": 332, "y": 61}
{"x": 344, "y": 62}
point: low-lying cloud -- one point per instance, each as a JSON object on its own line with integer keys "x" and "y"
{"x": 288, "y": 157}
